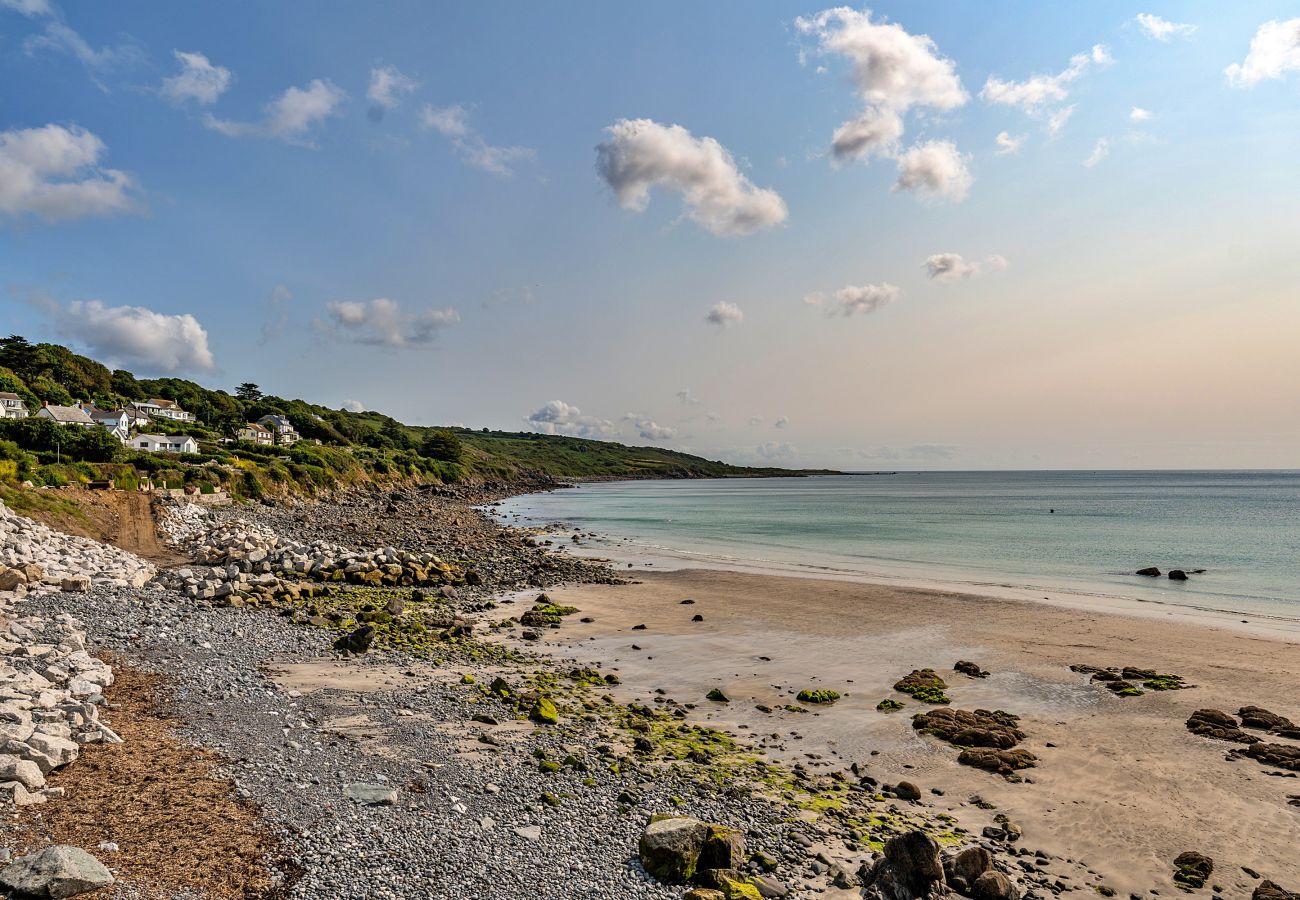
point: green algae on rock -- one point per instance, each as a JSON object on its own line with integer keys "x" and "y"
{"x": 809, "y": 695}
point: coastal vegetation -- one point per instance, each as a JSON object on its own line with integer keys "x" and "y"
{"x": 334, "y": 447}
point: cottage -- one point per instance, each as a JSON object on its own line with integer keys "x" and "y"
{"x": 65, "y": 415}
{"x": 158, "y": 408}
{"x": 282, "y": 428}
{"x": 256, "y": 434}
{"x": 12, "y": 406}
{"x": 117, "y": 421}
{"x": 164, "y": 443}
{"x": 137, "y": 417}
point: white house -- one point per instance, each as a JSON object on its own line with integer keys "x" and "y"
{"x": 117, "y": 421}
{"x": 65, "y": 415}
{"x": 282, "y": 428}
{"x": 255, "y": 433}
{"x": 137, "y": 417}
{"x": 12, "y": 406}
{"x": 165, "y": 409}
{"x": 164, "y": 443}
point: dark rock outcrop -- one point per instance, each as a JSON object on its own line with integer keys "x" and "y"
{"x": 966, "y": 667}
{"x": 1215, "y": 723}
{"x": 909, "y": 869}
{"x": 1284, "y": 756}
{"x": 981, "y": 728}
{"x": 1267, "y": 890}
{"x": 1150, "y": 572}
{"x": 1192, "y": 869}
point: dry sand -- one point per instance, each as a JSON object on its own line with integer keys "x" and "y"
{"x": 1125, "y": 788}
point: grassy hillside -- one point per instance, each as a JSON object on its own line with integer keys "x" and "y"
{"x": 340, "y": 448}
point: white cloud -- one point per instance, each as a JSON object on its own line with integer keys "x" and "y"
{"x": 781, "y": 422}
{"x": 452, "y": 122}
{"x": 355, "y": 406}
{"x": 1138, "y": 114}
{"x": 935, "y": 169}
{"x": 685, "y": 396}
{"x": 1007, "y": 144}
{"x": 387, "y": 85}
{"x": 198, "y": 80}
{"x": 853, "y": 299}
{"x": 1274, "y": 51}
{"x": 28, "y": 7}
{"x": 642, "y": 154}
{"x": 713, "y": 418}
{"x": 772, "y": 451}
{"x": 648, "y": 429}
{"x": 383, "y": 322}
{"x": 724, "y": 315}
{"x": 755, "y": 420}
{"x": 1162, "y": 29}
{"x": 893, "y": 71}
{"x": 558, "y": 417}
{"x": 62, "y": 39}
{"x": 53, "y": 173}
{"x": 133, "y": 336}
{"x": 948, "y": 267}
{"x": 1039, "y": 93}
{"x": 1100, "y": 151}
{"x": 290, "y": 116}
{"x": 1056, "y": 121}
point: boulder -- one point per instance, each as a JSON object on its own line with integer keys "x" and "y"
{"x": 1284, "y": 756}
{"x": 994, "y": 885}
{"x": 371, "y": 794}
{"x": 544, "y": 712}
{"x": 981, "y": 728}
{"x": 924, "y": 685}
{"x": 1258, "y": 717}
{"x": 1177, "y": 575}
{"x": 704, "y": 894}
{"x": 1150, "y": 572}
{"x": 1267, "y": 890}
{"x": 1003, "y": 762}
{"x": 75, "y": 584}
{"x": 963, "y": 869}
{"x": 670, "y": 848}
{"x": 11, "y": 579}
{"x": 905, "y": 790}
{"x": 966, "y": 667}
{"x": 909, "y": 869}
{"x": 23, "y": 771}
{"x": 357, "y": 641}
{"x": 1215, "y": 723}
{"x": 56, "y": 872}
{"x": 1192, "y": 869}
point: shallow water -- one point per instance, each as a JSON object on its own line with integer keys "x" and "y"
{"x": 1079, "y": 532}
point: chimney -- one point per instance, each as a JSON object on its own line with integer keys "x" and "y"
{"x": 44, "y": 403}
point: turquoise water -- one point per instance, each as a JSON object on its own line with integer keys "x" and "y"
{"x": 968, "y": 528}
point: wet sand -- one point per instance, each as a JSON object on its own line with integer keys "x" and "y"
{"x": 1125, "y": 788}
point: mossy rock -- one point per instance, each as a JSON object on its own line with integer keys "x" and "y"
{"x": 1192, "y": 869}
{"x": 501, "y": 688}
{"x": 375, "y": 617}
{"x": 717, "y": 695}
{"x": 544, "y": 712}
{"x": 549, "y": 766}
{"x": 925, "y": 685}
{"x": 817, "y": 696}
{"x": 889, "y": 704}
{"x": 467, "y": 678}
{"x": 737, "y": 888}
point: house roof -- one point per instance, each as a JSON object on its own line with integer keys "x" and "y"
{"x": 74, "y": 415}
{"x": 165, "y": 438}
{"x": 9, "y": 395}
{"x": 112, "y": 415}
{"x": 278, "y": 421}
{"x": 166, "y": 404}
{"x": 254, "y": 426}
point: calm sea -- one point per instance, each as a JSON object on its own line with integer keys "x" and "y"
{"x": 1082, "y": 532}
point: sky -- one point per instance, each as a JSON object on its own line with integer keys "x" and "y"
{"x": 957, "y": 235}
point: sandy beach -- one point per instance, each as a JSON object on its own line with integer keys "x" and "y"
{"x": 1121, "y": 785}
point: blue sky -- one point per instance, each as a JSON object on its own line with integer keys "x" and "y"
{"x": 1105, "y": 288}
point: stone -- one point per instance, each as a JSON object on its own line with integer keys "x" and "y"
{"x": 357, "y": 641}
{"x": 1192, "y": 869}
{"x": 1003, "y": 762}
{"x": 1215, "y": 723}
{"x": 1150, "y": 572}
{"x": 529, "y": 832}
{"x": 908, "y": 869}
{"x": 371, "y": 794}
{"x": 56, "y": 872}
{"x": 1177, "y": 575}
{"x": 1267, "y": 890}
{"x": 23, "y": 771}
{"x": 670, "y": 847}
{"x": 981, "y": 728}
{"x": 905, "y": 790}
{"x": 1284, "y": 756}
{"x": 966, "y": 667}
{"x": 1258, "y": 717}
{"x": 994, "y": 885}
{"x": 12, "y": 579}
{"x": 75, "y": 584}
{"x": 704, "y": 894}
{"x": 544, "y": 712}
{"x": 968, "y": 865}
{"x": 924, "y": 685}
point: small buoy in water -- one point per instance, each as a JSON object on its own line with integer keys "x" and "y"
{"x": 1051, "y": 510}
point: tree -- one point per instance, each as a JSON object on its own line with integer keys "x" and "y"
{"x": 20, "y": 356}
{"x": 442, "y": 445}
{"x": 248, "y": 392}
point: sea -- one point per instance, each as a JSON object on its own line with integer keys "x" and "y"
{"x": 1080, "y": 533}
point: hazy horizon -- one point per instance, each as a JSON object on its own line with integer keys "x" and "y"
{"x": 997, "y": 238}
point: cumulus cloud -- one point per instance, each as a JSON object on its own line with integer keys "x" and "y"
{"x": 387, "y": 85}
{"x": 1162, "y": 29}
{"x": 936, "y": 170}
{"x": 1100, "y": 151}
{"x": 642, "y": 154}
{"x": 1138, "y": 114}
{"x": 685, "y": 396}
{"x": 853, "y": 299}
{"x": 290, "y": 116}
{"x": 893, "y": 71}
{"x": 1007, "y": 144}
{"x": 355, "y": 406}
{"x": 59, "y": 38}
{"x": 648, "y": 429}
{"x": 133, "y": 337}
{"x": 452, "y": 122}
{"x": 724, "y": 315}
{"x": 558, "y": 417}
{"x": 1274, "y": 51}
{"x": 1040, "y": 95}
{"x": 772, "y": 451}
{"x": 53, "y": 173}
{"x": 198, "y": 81}
{"x": 948, "y": 267}
{"x": 383, "y": 322}
{"x": 781, "y": 422}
